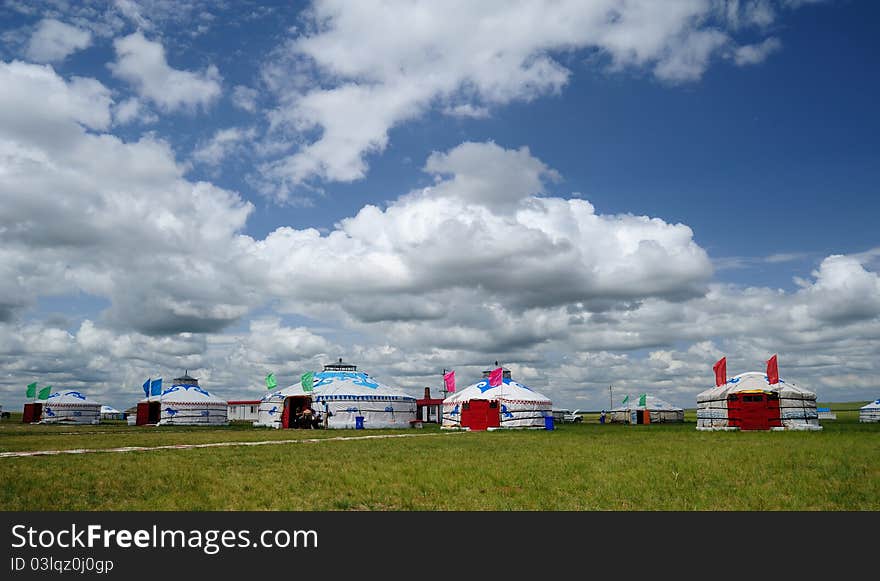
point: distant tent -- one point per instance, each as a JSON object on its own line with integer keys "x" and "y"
{"x": 352, "y": 397}
{"x": 70, "y": 407}
{"x": 870, "y": 412}
{"x": 654, "y": 411}
{"x": 508, "y": 405}
{"x": 111, "y": 413}
{"x": 749, "y": 402}
{"x": 185, "y": 403}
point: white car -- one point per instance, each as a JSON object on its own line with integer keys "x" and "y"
{"x": 567, "y": 416}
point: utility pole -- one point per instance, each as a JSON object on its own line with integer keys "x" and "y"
{"x": 611, "y": 397}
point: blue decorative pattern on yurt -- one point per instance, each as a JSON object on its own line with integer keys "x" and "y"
{"x": 196, "y": 388}
{"x": 328, "y": 377}
{"x": 483, "y": 385}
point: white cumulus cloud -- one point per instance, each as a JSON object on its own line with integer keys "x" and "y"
{"x": 143, "y": 63}
{"x": 53, "y": 41}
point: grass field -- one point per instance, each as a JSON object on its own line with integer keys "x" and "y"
{"x": 576, "y": 467}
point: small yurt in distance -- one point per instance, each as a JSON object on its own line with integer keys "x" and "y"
{"x": 348, "y": 397}
{"x": 646, "y": 410}
{"x": 111, "y": 413}
{"x": 870, "y": 412}
{"x": 508, "y": 405}
{"x": 185, "y": 403}
{"x": 750, "y": 402}
{"x": 70, "y": 407}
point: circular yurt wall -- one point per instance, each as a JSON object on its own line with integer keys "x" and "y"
{"x": 70, "y": 407}
{"x": 797, "y": 406}
{"x": 870, "y": 413}
{"x": 508, "y": 405}
{"x": 352, "y": 398}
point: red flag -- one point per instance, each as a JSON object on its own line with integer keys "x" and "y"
{"x": 449, "y": 380}
{"x": 495, "y": 377}
{"x": 772, "y": 371}
{"x": 720, "y": 369}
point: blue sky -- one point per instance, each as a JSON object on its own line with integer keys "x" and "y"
{"x": 593, "y": 193}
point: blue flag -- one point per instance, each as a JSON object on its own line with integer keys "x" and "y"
{"x": 156, "y": 387}
{"x": 147, "y": 388}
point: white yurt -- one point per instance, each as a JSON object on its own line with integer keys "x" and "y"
{"x": 507, "y": 405}
{"x": 750, "y": 402}
{"x": 111, "y": 413}
{"x": 70, "y": 407}
{"x": 652, "y": 410}
{"x": 352, "y": 398}
{"x": 870, "y": 412}
{"x": 185, "y": 403}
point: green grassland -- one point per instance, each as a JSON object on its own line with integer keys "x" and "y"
{"x": 576, "y": 467}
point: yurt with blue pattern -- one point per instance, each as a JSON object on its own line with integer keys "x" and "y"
{"x": 70, "y": 407}
{"x": 507, "y": 405}
{"x": 349, "y": 398}
{"x": 186, "y": 403}
{"x": 870, "y": 412}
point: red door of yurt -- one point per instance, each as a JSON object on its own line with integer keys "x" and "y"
{"x": 33, "y": 412}
{"x": 293, "y": 408}
{"x": 148, "y": 412}
{"x": 480, "y": 414}
{"x": 753, "y": 410}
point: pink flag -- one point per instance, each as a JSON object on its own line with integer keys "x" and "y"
{"x": 720, "y": 369}
{"x": 772, "y": 371}
{"x": 449, "y": 380}
{"x": 495, "y": 377}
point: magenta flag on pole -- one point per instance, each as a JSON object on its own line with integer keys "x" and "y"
{"x": 495, "y": 377}
{"x": 449, "y": 380}
{"x": 772, "y": 371}
{"x": 720, "y": 369}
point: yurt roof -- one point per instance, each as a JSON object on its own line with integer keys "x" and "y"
{"x": 106, "y": 409}
{"x": 508, "y": 389}
{"x": 871, "y": 405}
{"x": 340, "y": 384}
{"x": 70, "y": 397}
{"x": 651, "y": 403}
{"x": 186, "y": 378}
{"x": 755, "y": 381}
{"x": 189, "y": 393}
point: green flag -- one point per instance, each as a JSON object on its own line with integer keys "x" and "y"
{"x": 44, "y": 393}
{"x": 270, "y": 381}
{"x": 32, "y": 390}
{"x": 642, "y": 399}
{"x": 626, "y": 399}
{"x": 308, "y": 380}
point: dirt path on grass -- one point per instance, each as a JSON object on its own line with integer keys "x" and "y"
{"x": 24, "y": 453}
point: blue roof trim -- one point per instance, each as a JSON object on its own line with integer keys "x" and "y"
{"x": 484, "y": 385}
{"x": 179, "y": 386}
{"x": 357, "y": 378}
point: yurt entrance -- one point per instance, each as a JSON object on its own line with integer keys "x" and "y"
{"x": 33, "y": 412}
{"x": 294, "y": 406}
{"x": 643, "y": 417}
{"x": 148, "y": 412}
{"x": 480, "y": 414}
{"x": 758, "y": 410}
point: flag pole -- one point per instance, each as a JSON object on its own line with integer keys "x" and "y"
{"x": 611, "y": 397}
{"x": 444, "y": 383}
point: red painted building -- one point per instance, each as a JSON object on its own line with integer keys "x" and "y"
{"x": 429, "y": 409}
